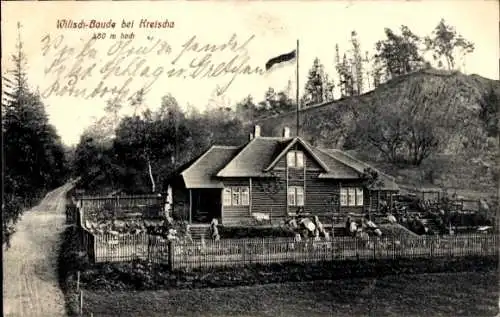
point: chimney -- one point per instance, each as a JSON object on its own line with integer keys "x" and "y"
{"x": 256, "y": 131}
{"x": 286, "y": 132}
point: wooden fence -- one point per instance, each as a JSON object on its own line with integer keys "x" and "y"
{"x": 95, "y": 202}
{"x": 234, "y": 252}
{"x": 86, "y": 240}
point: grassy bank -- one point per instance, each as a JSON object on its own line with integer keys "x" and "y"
{"x": 140, "y": 275}
{"x": 444, "y": 294}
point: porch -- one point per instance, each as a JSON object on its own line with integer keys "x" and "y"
{"x": 205, "y": 204}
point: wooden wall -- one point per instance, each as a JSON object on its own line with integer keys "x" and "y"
{"x": 236, "y": 214}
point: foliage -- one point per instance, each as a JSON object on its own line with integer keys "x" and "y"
{"x": 489, "y": 113}
{"x": 318, "y": 88}
{"x": 357, "y": 62}
{"x": 34, "y": 157}
{"x": 406, "y": 121}
{"x": 274, "y": 103}
{"x": 399, "y": 54}
{"x": 371, "y": 178}
{"x": 148, "y": 146}
{"x": 234, "y": 232}
{"x": 446, "y": 44}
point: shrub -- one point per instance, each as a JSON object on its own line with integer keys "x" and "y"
{"x": 254, "y": 232}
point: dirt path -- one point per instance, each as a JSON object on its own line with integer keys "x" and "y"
{"x": 30, "y": 285}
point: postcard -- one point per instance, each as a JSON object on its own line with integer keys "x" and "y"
{"x": 248, "y": 158}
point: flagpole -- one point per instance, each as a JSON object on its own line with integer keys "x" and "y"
{"x": 297, "y": 88}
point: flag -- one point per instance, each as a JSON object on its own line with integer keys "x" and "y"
{"x": 280, "y": 59}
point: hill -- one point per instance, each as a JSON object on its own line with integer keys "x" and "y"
{"x": 428, "y": 128}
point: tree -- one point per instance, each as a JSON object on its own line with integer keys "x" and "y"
{"x": 347, "y": 76}
{"x": 447, "y": 44}
{"x": 34, "y": 160}
{"x": 270, "y": 99}
{"x": 421, "y": 139}
{"x": 344, "y": 70}
{"x": 383, "y": 129}
{"x": 94, "y": 164}
{"x": 357, "y": 62}
{"x": 377, "y": 76}
{"x": 275, "y": 103}
{"x": 329, "y": 86}
{"x": 247, "y": 109}
{"x": 408, "y": 131}
{"x": 368, "y": 71}
{"x": 318, "y": 87}
{"x": 399, "y": 54}
{"x": 340, "y": 71}
{"x": 489, "y": 112}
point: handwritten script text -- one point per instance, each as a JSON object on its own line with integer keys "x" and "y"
{"x": 97, "y": 69}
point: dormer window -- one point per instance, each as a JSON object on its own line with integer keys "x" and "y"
{"x": 295, "y": 159}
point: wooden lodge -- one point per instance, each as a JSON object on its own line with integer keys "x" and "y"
{"x": 272, "y": 176}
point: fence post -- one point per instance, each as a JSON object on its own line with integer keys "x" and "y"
{"x": 171, "y": 255}
{"x": 81, "y": 302}
{"x": 432, "y": 240}
{"x": 94, "y": 247}
{"x": 244, "y": 251}
{"x": 78, "y": 281}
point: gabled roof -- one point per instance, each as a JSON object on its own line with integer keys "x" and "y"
{"x": 201, "y": 173}
{"x": 289, "y": 146}
{"x": 389, "y": 183}
{"x": 261, "y": 154}
{"x": 253, "y": 159}
{"x": 336, "y": 169}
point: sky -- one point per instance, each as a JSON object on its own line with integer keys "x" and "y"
{"x": 252, "y": 33}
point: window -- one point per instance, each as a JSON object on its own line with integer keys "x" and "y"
{"x": 236, "y": 196}
{"x": 295, "y": 196}
{"x": 359, "y": 197}
{"x": 227, "y": 197}
{"x": 245, "y": 196}
{"x": 351, "y": 196}
{"x": 291, "y": 196}
{"x": 290, "y": 159}
{"x": 300, "y": 196}
{"x": 343, "y": 197}
{"x": 299, "y": 159}
{"x": 295, "y": 159}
